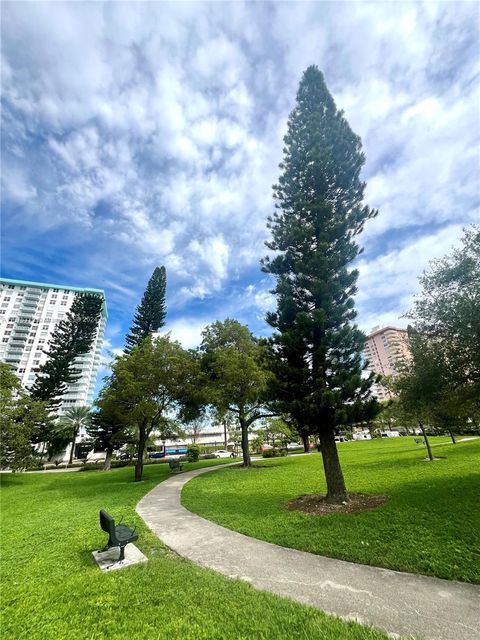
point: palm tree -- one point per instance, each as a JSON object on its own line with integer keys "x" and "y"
{"x": 74, "y": 419}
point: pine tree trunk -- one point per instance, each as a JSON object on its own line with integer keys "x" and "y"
{"x": 108, "y": 460}
{"x": 452, "y": 437}
{"x": 336, "y": 489}
{"x": 245, "y": 450}
{"x": 142, "y": 441}
{"x": 427, "y": 441}
{"x": 306, "y": 443}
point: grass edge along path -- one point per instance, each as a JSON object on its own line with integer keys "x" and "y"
{"x": 51, "y": 587}
{"x": 427, "y": 526}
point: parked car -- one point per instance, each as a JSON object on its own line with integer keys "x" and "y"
{"x": 223, "y": 453}
{"x": 294, "y": 445}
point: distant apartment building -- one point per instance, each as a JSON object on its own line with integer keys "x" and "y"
{"x": 29, "y": 313}
{"x": 385, "y": 349}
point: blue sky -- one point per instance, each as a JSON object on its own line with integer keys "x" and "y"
{"x": 135, "y": 135}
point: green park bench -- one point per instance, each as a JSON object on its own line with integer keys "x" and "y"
{"x": 118, "y": 535}
{"x": 175, "y": 465}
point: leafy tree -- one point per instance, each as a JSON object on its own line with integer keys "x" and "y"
{"x": 22, "y": 419}
{"x": 319, "y": 211}
{"x": 237, "y": 375}
{"x": 107, "y": 427}
{"x": 73, "y": 337}
{"x": 447, "y": 314}
{"x": 151, "y": 312}
{"x": 278, "y": 431}
{"x": 194, "y": 428}
{"x": 75, "y": 419}
{"x": 153, "y": 383}
{"x": 419, "y": 384}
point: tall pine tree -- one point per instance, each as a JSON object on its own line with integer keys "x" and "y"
{"x": 319, "y": 211}
{"x": 151, "y": 312}
{"x": 72, "y": 337}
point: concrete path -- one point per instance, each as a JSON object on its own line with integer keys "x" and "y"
{"x": 401, "y": 604}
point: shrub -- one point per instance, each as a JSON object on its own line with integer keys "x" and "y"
{"x": 193, "y": 453}
{"x": 272, "y": 453}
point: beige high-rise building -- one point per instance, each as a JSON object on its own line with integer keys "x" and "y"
{"x": 385, "y": 348}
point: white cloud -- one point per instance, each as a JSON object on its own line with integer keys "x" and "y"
{"x": 388, "y": 283}
{"x": 152, "y": 132}
{"x": 187, "y": 331}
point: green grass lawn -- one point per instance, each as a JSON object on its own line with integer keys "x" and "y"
{"x": 430, "y": 525}
{"x": 51, "y": 587}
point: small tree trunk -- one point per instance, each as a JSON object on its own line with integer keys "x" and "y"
{"x": 306, "y": 443}
{"x": 225, "y": 436}
{"x": 72, "y": 451}
{"x": 108, "y": 460}
{"x": 245, "y": 450}
{"x": 427, "y": 441}
{"x": 142, "y": 441}
{"x": 336, "y": 489}
{"x": 452, "y": 437}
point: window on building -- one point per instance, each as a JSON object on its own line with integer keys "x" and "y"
{"x": 4, "y": 339}
{"x": 36, "y": 362}
{"x": 7, "y": 333}
{"x": 63, "y": 304}
{"x": 21, "y": 370}
{"x": 44, "y": 333}
{"x": 23, "y": 288}
{"x": 45, "y": 327}
{"x": 11, "y": 286}
{"x": 9, "y": 326}
{"x": 7, "y": 298}
{"x": 30, "y": 341}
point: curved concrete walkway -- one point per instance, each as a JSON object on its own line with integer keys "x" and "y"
{"x": 399, "y": 603}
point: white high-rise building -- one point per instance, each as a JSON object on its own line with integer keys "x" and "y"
{"x": 29, "y": 313}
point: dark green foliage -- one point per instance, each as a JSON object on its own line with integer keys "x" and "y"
{"x": 447, "y": 314}
{"x": 151, "y": 312}
{"x": 193, "y": 453}
{"x": 22, "y": 420}
{"x": 152, "y": 386}
{"x": 108, "y": 428}
{"x": 316, "y": 345}
{"x": 72, "y": 338}
{"x": 236, "y": 375}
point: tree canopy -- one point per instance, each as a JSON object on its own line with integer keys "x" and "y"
{"x": 151, "y": 386}
{"x": 151, "y": 312}
{"x": 237, "y": 377}
{"x": 23, "y": 418}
